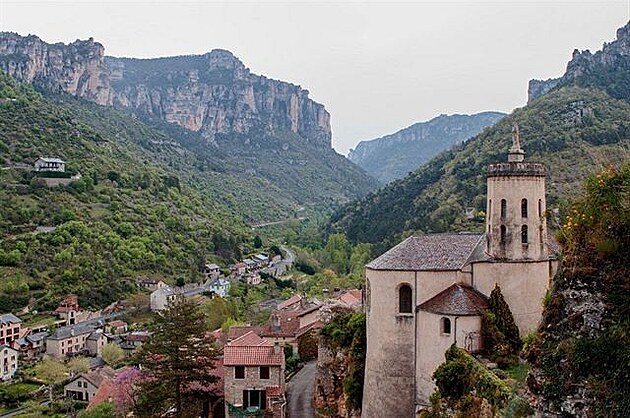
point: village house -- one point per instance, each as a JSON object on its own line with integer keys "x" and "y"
{"x": 75, "y": 339}
{"x": 253, "y": 279}
{"x": 71, "y": 313}
{"x": 220, "y": 287}
{"x": 32, "y": 345}
{"x": 429, "y": 292}
{"x": 238, "y": 269}
{"x": 212, "y": 271}
{"x": 132, "y": 341}
{"x": 254, "y": 376}
{"x": 117, "y": 327}
{"x": 49, "y": 164}
{"x": 261, "y": 260}
{"x": 10, "y": 328}
{"x": 145, "y": 282}
{"x": 9, "y": 362}
{"x": 162, "y": 297}
{"x": 85, "y": 386}
{"x": 250, "y": 265}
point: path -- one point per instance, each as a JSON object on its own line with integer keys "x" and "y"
{"x": 300, "y": 392}
{"x": 278, "y": 222}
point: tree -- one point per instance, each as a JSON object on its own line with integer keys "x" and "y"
{"x": 78, "y": 365}
{"x": 104, "y": 410}
{"x": 51, "y": 372}
{"x": 178, "y": 360}
{"x": 257, "y": 241}
{"x": 112, "y": 354}
{"x": 504, "y": 318}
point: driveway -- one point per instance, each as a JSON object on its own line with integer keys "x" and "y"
{"x": 300, "y": 392}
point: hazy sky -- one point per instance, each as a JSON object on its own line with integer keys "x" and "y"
{"x": 376, "y": 66}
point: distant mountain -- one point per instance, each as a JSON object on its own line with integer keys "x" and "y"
{"x": 394, "y": 156}
{"x": 576, "y": 128}
{"x": 265, "y": 130}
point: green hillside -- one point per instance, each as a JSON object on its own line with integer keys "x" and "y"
{"x": 574, "y": 131}
{"x": 144, "y": 204}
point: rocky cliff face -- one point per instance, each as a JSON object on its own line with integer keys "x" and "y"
{"x": 537, "y": 88}
{"x": 212, "y": 94}
{"x": 393, "y": 156}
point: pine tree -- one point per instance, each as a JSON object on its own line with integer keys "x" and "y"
{"x": 177, "y": 361}
{"x": 504, "y": 320}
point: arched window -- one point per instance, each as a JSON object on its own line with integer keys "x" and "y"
{"x": 503, "y": 234}
{"x": 446, "y": 326}
{"x": 503, "y": 208}
{"x": 489, "y": 208}
{"x": 404, "y": 299}
{"x": 524, "y": 234}
{"x": 524, "y": 208}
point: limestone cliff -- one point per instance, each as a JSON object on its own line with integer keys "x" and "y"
{"x": 211, "y": 94}
{"x": 537, "y": 88}
{"x": 393, "y": 156}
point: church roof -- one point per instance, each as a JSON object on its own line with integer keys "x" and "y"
{"x": 458, "y": 299}
{"x": 449, "y": 251}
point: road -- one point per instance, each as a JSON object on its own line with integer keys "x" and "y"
{"x": 300, "y": 392}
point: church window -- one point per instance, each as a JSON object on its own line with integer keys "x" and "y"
{"x": 404, "y": 299}
{"x": 539, "y": 207}
{"x": 503, "y": 234}
{"x": 524, "y": 208}
{"x": 524, "y": 234}
{"x": 489, "y": 208}
{"x": 446, "y": 326}
{"x": 503, "y": 208}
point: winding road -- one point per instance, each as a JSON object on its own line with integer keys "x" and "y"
{"x": 300, "y": 392}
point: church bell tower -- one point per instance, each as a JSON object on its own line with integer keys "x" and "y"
{"x": 516, "y": 227}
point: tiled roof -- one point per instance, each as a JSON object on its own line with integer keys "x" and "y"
{"x": 240, "y": 330}
{"x": 351, "y": 297}
{"x": 288, "y": 324}
{"x": 98, "y": 376}
{"x": 273, "y": 391}
{"x": 263, "y": 355}
{"x": 458, "y": 299}
{"x": 118, "y": 323}
{"x": 9, "y": 319}
{"x": 249, "y": 340}
{"x": 71, "y": 331}
{"x": 313, "y": 325}
{"x": 290, "y": 302}
{"x": 448, "y": 251}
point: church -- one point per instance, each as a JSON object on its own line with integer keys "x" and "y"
{"x": 427, "y": 293}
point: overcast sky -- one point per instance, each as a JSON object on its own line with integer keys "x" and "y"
{"x": 376, "y": 66}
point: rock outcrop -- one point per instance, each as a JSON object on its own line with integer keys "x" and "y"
{"x": 212, "y": 94}
{"x": 393, "y": 156}
{"x": 537, "y": 88}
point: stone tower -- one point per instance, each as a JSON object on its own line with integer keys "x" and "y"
{"x": 516, "y": 225}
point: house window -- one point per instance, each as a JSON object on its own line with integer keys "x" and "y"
{"x": 524, "y": 234}
{"x": 404, "y": 299}
{"x": 446, "y": 326}
{"x": 503, "y": 208}
{"x": 503, "y": 234}
{"x": 264, "y": 372}
{"x": 524, "y": 208}
{"x": 239, "y": 372}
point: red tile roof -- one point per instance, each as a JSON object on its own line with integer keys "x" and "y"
{"x": 290, "y": 302}
{"x": 252, "y": 356}
{"x": 351, "y": 297}
{"x": 457, "y": 299}
{"x": 313, "y": 325}
{"x": 449, "y": 251}
{"x": 237, "y": 331}
{"x": 273, "y": 391}
{"x": 249, "y": 340}
{"x": 288, "y": 324}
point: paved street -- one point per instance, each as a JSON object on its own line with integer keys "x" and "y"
{"x": 300, "y": 392}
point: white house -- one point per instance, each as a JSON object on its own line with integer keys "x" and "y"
{"x": 220, "y": 287}
{"x": 9, "y": 362}
{"x": 49, "y": 164}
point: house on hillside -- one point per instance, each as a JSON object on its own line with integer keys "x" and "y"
{"x": 8, "y": 362}
{"x": 71, "y": 313}
{"x": 75, "y": 339}
{"x": 220, "y": 287}
{"x": 85, "y": 386}
{"x": 148, "y": 283}
{"x": 10, "y": 328}
{"x": 254, "y": 377}
{"x": 212, "y": 271}
{"x": 162, "y": 297}
{"x": 32, "y": 345}
{"x": 49, "y": 164}
{"x": 117, "y": 327}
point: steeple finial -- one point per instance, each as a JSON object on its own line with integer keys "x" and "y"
{"x": 516, "y": 153}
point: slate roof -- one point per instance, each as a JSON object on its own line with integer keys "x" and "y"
{"x": 449, "y": 251}
{"x": 51, "y": 160}
{"x": 71, "y": 331}
{"x": 251, "y": 350}
{"x": 457, "y": 299}
{"x": 9, "y": 319}
{"x": 98, "y": 376}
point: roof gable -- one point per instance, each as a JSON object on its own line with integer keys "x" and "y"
{"x": 457, "y": 299}
{"x": 449, "y": 251}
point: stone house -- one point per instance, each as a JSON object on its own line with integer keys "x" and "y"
{"x": 145, "y": 282}
{"x": 212, "y": 271}
{"x": 32, "y": 345}
{"x": 253, "y": 376}
{"x": 49, "y": 164}
{"x": 162, "y": 297}
{"x": 427, "y": 292}
{"x": 10, "y": 328}
{"x": 71, "y": 313}
{"x": 85, "y": 386}
{"x": 76, "y": 339}
{"x": 117, "y": 327}
{"x": 8, "y": 362}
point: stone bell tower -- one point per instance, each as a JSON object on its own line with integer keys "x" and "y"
{"x": 515, "y": 221}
